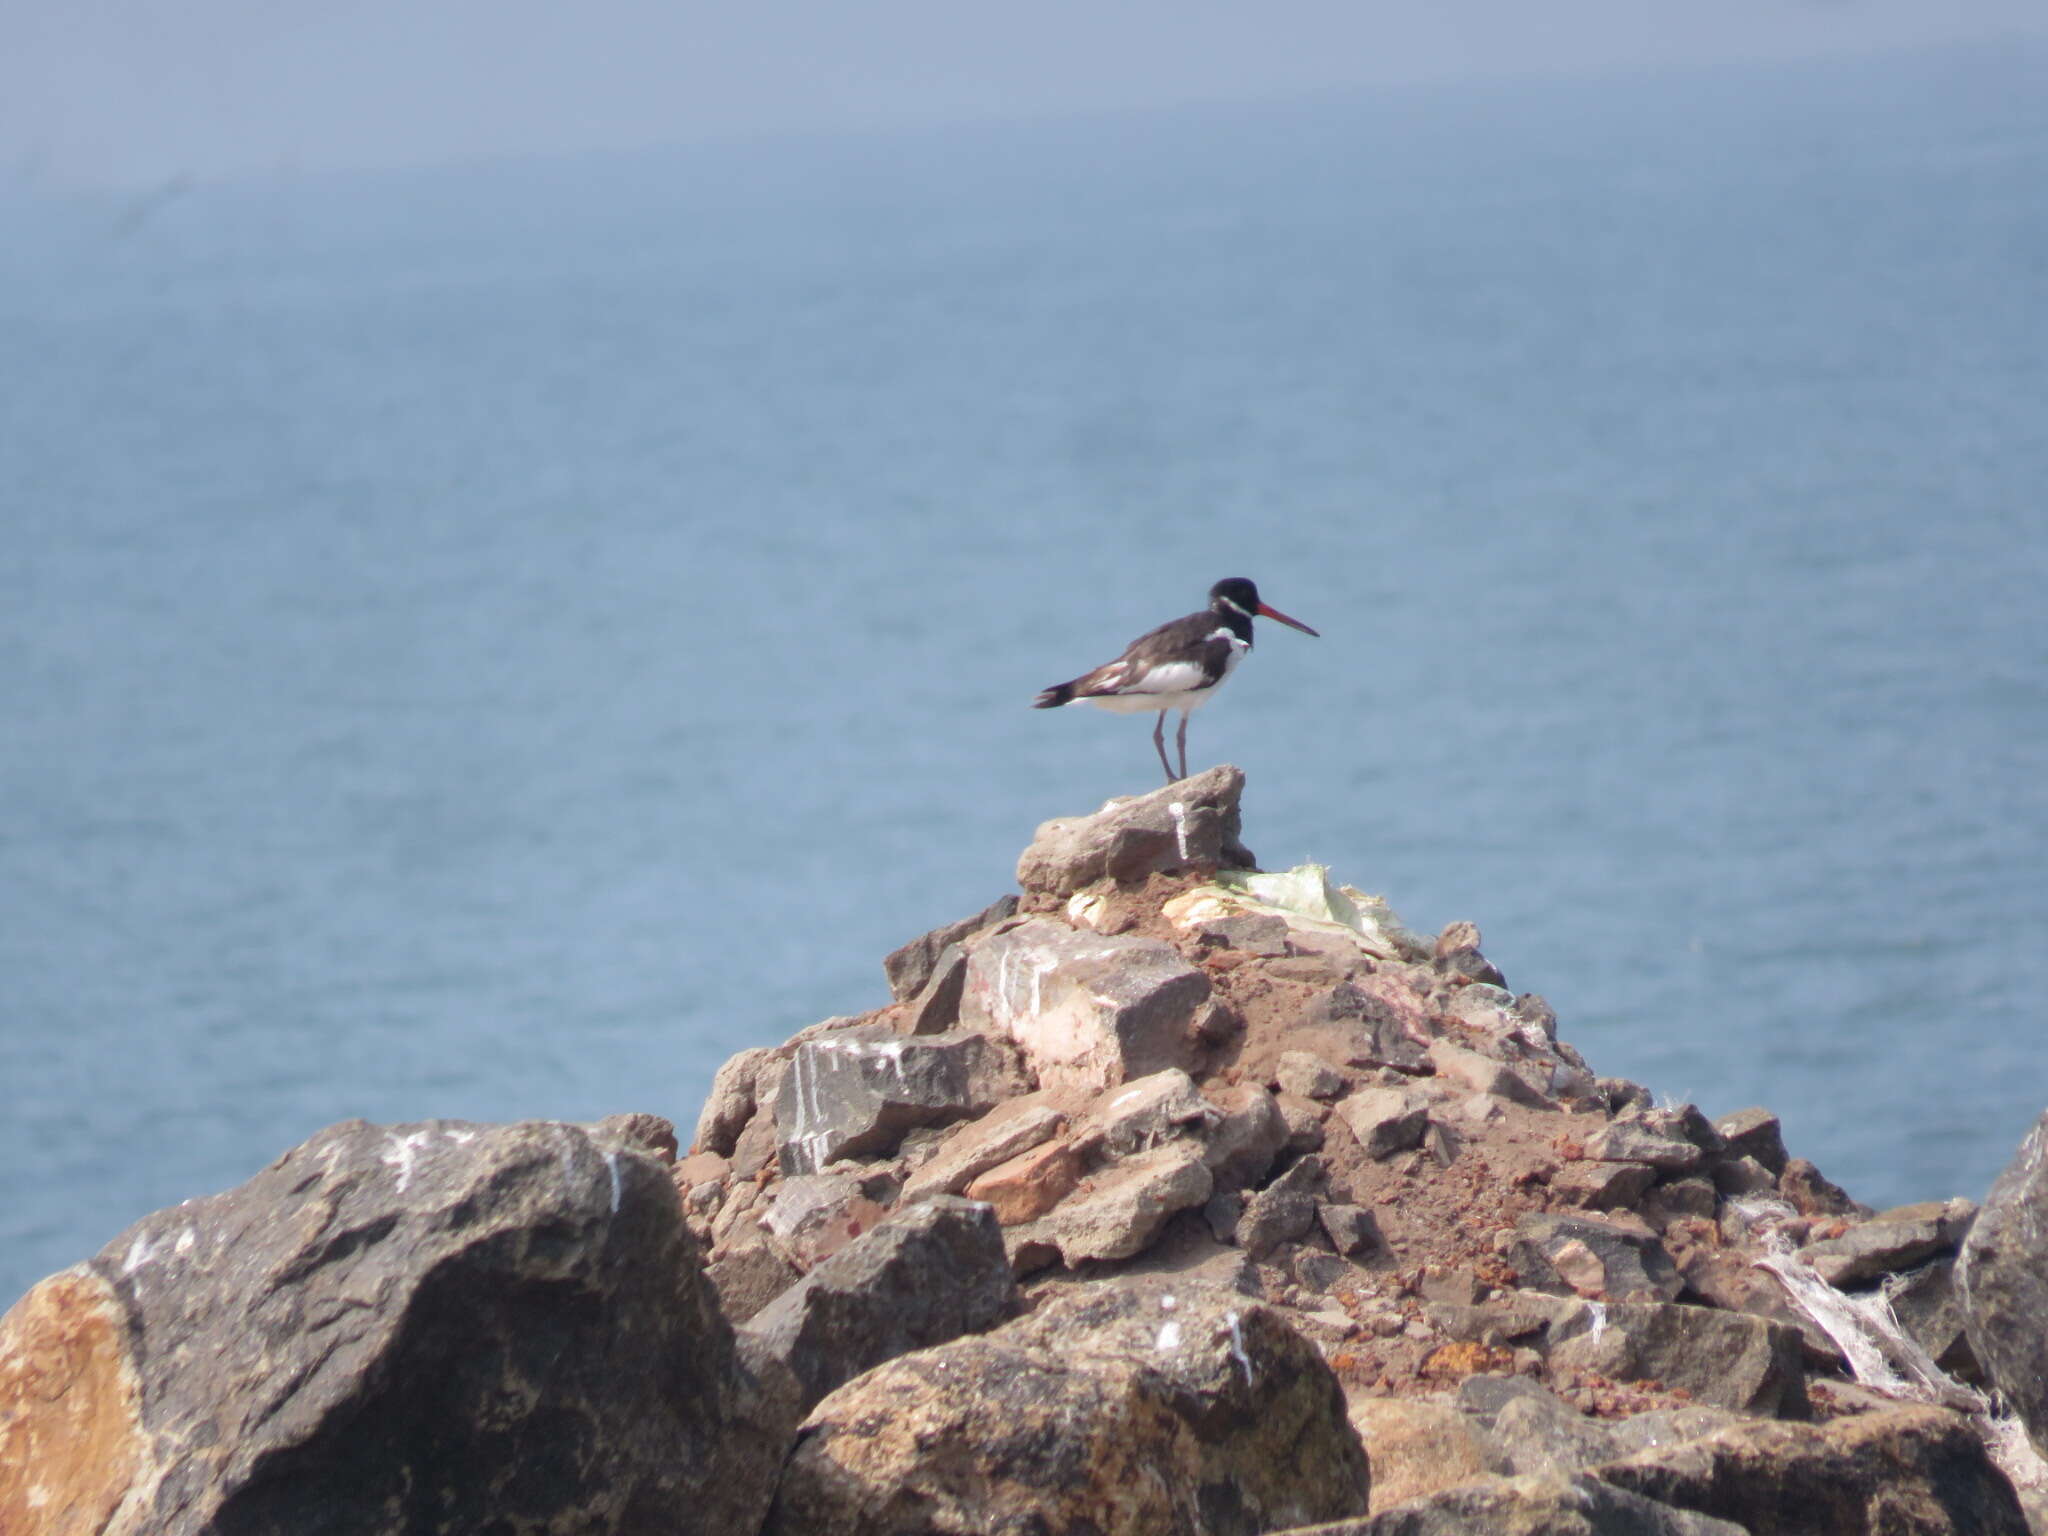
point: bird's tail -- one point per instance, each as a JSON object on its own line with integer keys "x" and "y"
{"x": 1054, "y": 697}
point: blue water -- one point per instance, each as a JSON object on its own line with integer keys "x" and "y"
{"x": 492, "y": 642}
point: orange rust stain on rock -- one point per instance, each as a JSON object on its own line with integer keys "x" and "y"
{"x": 70, "y": 1422}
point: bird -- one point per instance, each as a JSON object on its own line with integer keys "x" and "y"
{"x": 1176, "y": 666}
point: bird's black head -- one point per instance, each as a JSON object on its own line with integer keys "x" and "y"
{"x": 1235, "y": 597}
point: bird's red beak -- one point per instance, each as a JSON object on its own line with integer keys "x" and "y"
{"x": 1267, "y": 611}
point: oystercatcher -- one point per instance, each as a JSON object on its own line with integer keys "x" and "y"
{"x": 1176, "y": 666}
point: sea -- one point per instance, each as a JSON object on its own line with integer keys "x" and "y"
{"x": 491, "y": 641}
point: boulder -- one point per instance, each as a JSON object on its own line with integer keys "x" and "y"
{"x": 1088, "y": 1010}
{"x": 1417, "y": 1447}
{"x": 1122, "y": 1207}
{"x": 859, "y": 1089}
{"x": 1365, "y": 1022}
{"x": 910, "y": 969}
{"x": 1753, "y": 1133}
{"x": 1137, "y": 1409}
{"x": 1192, "y": 824}
{"x": 814, "y": 1215}
{"x": 1891, "y": 1241}
{"x": 730, "y": 1104}
{"x": 1014, "y": 1126}
{"x": 1919, "y": 1470}
{"x": 1151, "y": 1110}
{"x": 1642, "y": 1136}
{"x": 1928, "y": 1306}
{"x": 1601, "y": 1186}
{"x": 925, "y": 1276}
{"x": 1283, "y": 1211}
{"x": 1029, "y": 1184}
{"x": 2003, "y": 1276}
{"x": 1603, "y": 1259}
{"x": 1350, "y": 1228}
{"x": 1385, "y": 1120}
{"x": 1486, "y": 1074}
{"x": 1811, "y": 1193}
{"x": 1249, "y": 1133}
{"x": 1306, "y": 1075}
{"x": 1541, "y": 1504}
{"x": 1725, "y": 1359}
{"x": 440, "y": 1326}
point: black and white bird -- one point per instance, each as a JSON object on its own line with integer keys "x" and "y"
{"x": 1176, "y": 666}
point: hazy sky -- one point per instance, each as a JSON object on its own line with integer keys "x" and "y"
{"x": 131, "y": 91}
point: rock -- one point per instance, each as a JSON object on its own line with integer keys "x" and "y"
{"x": 1929, "y": 1306}
{"x": 749, "y": 1275}
{"x": 392, "y": 1328}
{"x": 1754, "y": 1133}
{"x": 1687, "y": 1124}
{"x": 1308, "y": 1076}
{"x": 1193, "y": 824}
{"x": 1743, "y": 1178}
{"x": 653, "y": 1134}
{"x": 1726, "y": 1359}
{"x": 2003, "y": 1277}
{"x": 1890, "y": 1241}
{"x": 1457, "y": 956}
{"x": 858, "y": 1090}
{"x": 1151, "y": 1110}
{"x": 1303, "y": 1121}
{"x": 1635, "y": 1137}
{"x": 1283, "y": 1211}
{"x": 1542, "y": 1504}
{"x": 1686, "y": 1199}
{"x": 1540, "y": 1432}
{"x": 1811, "y": 1194}
{"x": 1417, "y": 1447}
{"x": 1128, "y": 1410}
{"x": 1918, "y": 1470}
{"x": 1029, "y": 1184}
{"x": 1251, "y": 933}
{"x": 937, "y": 1008}
{"x": 1013, "y": 1126}
{"x": 1351, "y": 1228}
{"x": 1385, "y": 1120}
{"x": 924, "y": 1277}
{"x": 1119, "y": 1210}
{"x": 1366, "y": 1022}
{"x": 730, "y": 1104}
{"x": 910, "y": 969}
{"x": 1620, "y": 1095}
{"x": 1483, "y": 1074}
{"x": 1602, "y": 1186}
{"x": 814, "y": 1215}
{"x": 1594, "y": 1257}
{"x": 1249, "y": 1135}
{"x": 1088, "y": 1010}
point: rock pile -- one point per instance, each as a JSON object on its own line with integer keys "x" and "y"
{"x": 1164, "y": 1196}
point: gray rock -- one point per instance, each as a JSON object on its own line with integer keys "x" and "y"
{"x": 1642, "y": 1136}
{"x": 1725, "y": 1359}
{"x": 924, "y": 1276}
{"x": 814, "y": 1215}
{"x": 1523, "y": 1082}
{"x": 1603, "y": 1259}
{"x": 858, "y": 1090}
{"x": 1929, "y": 1306}
{"x": 1150, "y": 1110}
{"x": 1303, "y": 1120}
{"x": 910, "y": 968}
{"x": 748, "y": 1275}
{"x": 1690, "y": 1198}
{"x": 1541, "y": 1504}
{"x": 1602, "y": 1186}
{"x": 1188, "y": 825}
{"x": 1753, "y": 1133}
{"x": 1385, "y": 1120}
{"x": 1122, "y": 1207}
{"x": 730, "y": 1104}
{"x": 2003, "y": 1275}
{"x": 1917, "y": 1470}
{"x": 413, "y": 1327}
{"x": 1308, "y": 1076}
{"x": 1354, "y": 1025}
{"x": 1351, "y": 1228}
{"x": 936, "y": 1009}
{"x": 1742, "y": 1178}
{"x": 1088, "y": 1010}
{"x": 1136, "y": 1409}
{"x": 1891, "y": 1241}
{"x": 1283, "y": 1211}
{"x": 1249, "y": 1135}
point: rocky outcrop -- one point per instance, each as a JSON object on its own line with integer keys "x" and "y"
{"x": 2003, "y": 1277}
{"x": 1145, "y": 1408}
{"x": 443, "y": 1324}
{"x": 1161, "y": 1196}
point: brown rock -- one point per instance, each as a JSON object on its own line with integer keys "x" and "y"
{"x": 1029, "y": 1184}
{"x": 71, "y": 1433}
{"x": 1193, "y": 824}
{"x": 1385, "y": 1120}
{"x": 1120, "y": 1209}
{"x": 1013, "y": 1126}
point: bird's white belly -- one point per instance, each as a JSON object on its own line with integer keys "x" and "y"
{"x": 1149, "y": 703}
